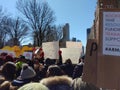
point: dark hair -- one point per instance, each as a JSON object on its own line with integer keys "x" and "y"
{"x": 22, "y": 57}
{"x": 54, "y": 70}
{"x": 9, "y": 70}
{"x": 3, "y": 54}
{"x": 68, "y": 61}
{"x": 9, "y": 58}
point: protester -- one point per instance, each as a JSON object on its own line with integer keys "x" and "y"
{"x": 50, "y": 74}
{"x": 19, "y": 64}
{"x": 54, "y": 70}
{"x": 78, "y": 70}
{"x": 33, "y": 86}
{"x": 47, "y": 63}
{"x": 40, "y": 71}
{"x": 9, "y": 58}
{"x": 41, "y": 58}
{"x": 60, "y": 58}
{"x": 68, "y": 67}
{"x": 27, "y": 75}
{"x": 58, "y": 83}
{"x": 78, "y": 84}
{"x": 2, "y": 58}
{"x": 8, "y": 71}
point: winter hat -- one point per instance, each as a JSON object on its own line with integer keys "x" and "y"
{"x": 26, "y": 76}
{"x": 27, "y": 72}
{"x": 33, "y": 86}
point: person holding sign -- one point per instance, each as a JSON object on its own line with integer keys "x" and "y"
{"x": 41, "y": 60}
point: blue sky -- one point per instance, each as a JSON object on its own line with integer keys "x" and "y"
{"x": 78, "y": 13}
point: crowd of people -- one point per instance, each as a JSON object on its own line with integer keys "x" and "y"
{"x": 23, "y": 74}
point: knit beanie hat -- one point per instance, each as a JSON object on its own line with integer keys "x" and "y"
{"x": 33, "y": 86}
{"x": 27, "y": 72}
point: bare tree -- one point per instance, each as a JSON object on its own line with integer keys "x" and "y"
{"x": 54, "y": 33}
{"x": 39, "y": 16}
{"x": 16, "y": 31}
{"x": 3, "y": 19}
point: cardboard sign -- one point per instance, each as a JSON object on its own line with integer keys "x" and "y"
{"x": 111, "y": 33}
{"x": 90, "y": 66}
{"x": 108, "y": 58}
{"x": 103, "y": 63}
{"x": 73, "y": 53}
{"x": 71, "y": 44}
{"x": 51, "y": 50}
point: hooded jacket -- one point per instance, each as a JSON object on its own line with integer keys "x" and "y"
{"x": 58, "y": 83}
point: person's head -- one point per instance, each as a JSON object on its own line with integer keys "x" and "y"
{"x": 68, "y": 61}
{"x": 78, "y": 84}
{"x": 9, "y": 70}
{"x": 3, "y": 55}
{"x": 81, "y": 59}
{"x": 9, "y": 58}
{"x": 27, "y": 72}
{"x": 58, "y": 83}
{"x": 48, "y": 62}
{"x": 33, "y": 86}
{"x": 54, "y": 70}
{"x": 22, "y": 58}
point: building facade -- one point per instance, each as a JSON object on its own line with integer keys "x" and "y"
{"x": 102, "y": 78}
{"x": 101, "y": 4}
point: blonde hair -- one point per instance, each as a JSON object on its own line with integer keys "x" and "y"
{"x": 5, "y": 85}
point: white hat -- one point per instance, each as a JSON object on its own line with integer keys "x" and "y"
{"x": 27, "y": 72}
{"x": 33, "y": 86}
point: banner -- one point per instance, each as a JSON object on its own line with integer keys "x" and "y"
{"x": 28, "y": 55}
{"x": 11, "y": 53}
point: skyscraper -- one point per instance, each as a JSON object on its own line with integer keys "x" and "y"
{"x": 66, "y": 36}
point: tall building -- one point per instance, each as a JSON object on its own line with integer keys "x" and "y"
{"x": 74, "y": 39}
{"x": 66, "y": 35}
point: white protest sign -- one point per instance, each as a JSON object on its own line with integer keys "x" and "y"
{"x": 3, "y": 51}
{"x": 11, "y": 53}
{"x": 71, "y": 44}
{"x": 72, "y": 53}
{"x": 111, "y": 33}
{"x": 28, "y": 55}
{"x": 51, "y": 50}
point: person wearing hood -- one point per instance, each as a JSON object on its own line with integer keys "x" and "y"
{"x": 33, "y": 86}
{"x": 58, "y": 83}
